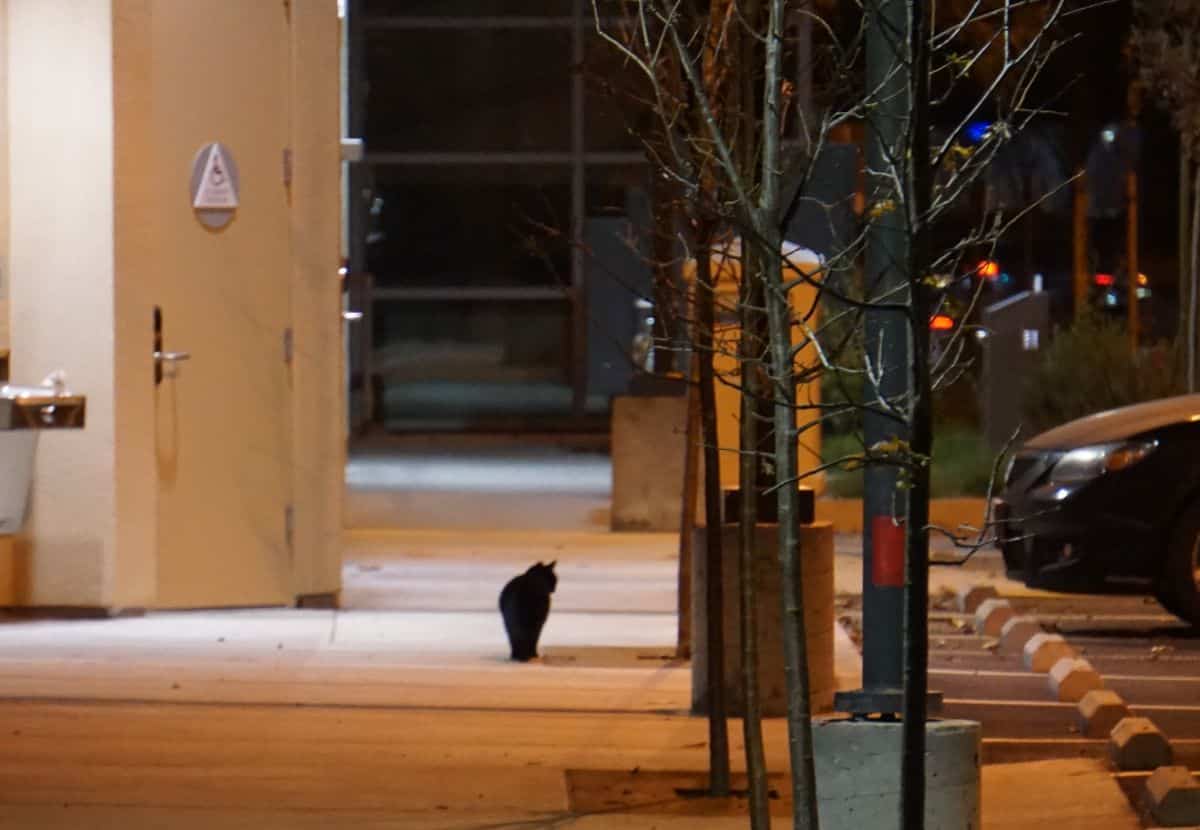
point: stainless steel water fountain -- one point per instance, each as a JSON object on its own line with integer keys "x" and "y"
{"x": 25, "y": 411}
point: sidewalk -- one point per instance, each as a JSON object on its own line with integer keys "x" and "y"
{"x": 404, "y": 712}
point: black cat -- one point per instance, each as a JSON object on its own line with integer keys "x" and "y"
{"x": 525, "y": 605}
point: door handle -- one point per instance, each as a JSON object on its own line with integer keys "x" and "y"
{"x": 166, "y": 364}
{"x": 352, "y": 316}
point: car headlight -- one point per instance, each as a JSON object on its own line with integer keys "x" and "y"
{"x": 1087, "y": 463}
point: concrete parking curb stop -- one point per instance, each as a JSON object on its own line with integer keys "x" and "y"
{"x": 970, "y": 597}
{"x": 1137, "y": 744}
{"x": 1100, "y": 710}
{"x": 991, "y": 615}
{"x": 1016, "y": 633}
{"x": 1043, "y": 650}
{"x": 857, "y": 764}
{"x": 1073, "y": 677}
{"x": 1172, "y": 796}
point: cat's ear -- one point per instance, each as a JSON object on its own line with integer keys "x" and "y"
{"x": 552, "y": 564}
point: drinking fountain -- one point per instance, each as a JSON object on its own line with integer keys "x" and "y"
{"x": 25, "y": 412}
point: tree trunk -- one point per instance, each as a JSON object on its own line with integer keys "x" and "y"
{"x": 1194, "y": 274}
{"x": 687, "y": 519}
{"x": 749, "y": 353}
{"x": 779, "y": 319}
{"x": 918, "y": 185}
{"x": 804, "y": 795}
{"x": 718, "y": 733}
{"x": 1186, "y": 329}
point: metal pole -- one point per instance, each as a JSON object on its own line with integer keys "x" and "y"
{"x": 919, "y": 186}
{"x": 886, "y": 337}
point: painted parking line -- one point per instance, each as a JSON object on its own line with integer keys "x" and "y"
{"x": 1141, "y": 678}
{"x": 1057, "y": 704}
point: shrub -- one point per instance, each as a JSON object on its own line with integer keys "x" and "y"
{"x": 1089, "y": 368}
{"x": 962, "y": 463}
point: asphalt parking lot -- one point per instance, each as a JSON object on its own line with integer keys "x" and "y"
{"x": 1143, "y": 653}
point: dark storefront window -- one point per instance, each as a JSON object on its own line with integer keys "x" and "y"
{"x": 489, "y": 150}
{"x": 471, "y": 226}
{"x": 506, "y": 89}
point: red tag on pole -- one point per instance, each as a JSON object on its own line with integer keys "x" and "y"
{"x": 887, "y": 552}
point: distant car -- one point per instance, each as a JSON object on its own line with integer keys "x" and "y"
{"x": 1110, "y": 503}
{"x": 1110, "y": 294}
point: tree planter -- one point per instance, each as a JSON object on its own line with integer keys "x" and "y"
{"x": 649, "y": 445}
{"x": 817, "y": 553}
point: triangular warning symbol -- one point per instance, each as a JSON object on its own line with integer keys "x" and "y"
{"x": 217, "y": 189}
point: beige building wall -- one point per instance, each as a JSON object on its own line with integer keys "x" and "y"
{"x": 133, "y": 575}
{"x": 61, "y": 283}
{"x": 83, "y": 252}
{"x": 4, "y": 275}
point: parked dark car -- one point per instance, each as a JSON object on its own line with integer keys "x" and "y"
{"x": 1110, "y": 503}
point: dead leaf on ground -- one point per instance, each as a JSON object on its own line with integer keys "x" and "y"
{"x": 991, "y": 645}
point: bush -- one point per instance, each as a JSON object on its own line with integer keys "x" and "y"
{"x": 1089, "y": 368}
{"x": 962, "y": 463}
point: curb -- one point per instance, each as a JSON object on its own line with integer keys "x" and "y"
{"x": 1137, "y": 744}
{"x": 1016, "y": 633}
{"x": 1071, "y": 678}
{"x": 1171, "y": 794}
{"x": 1042, "y": 651}
{"x": 971, "y": 597}
{"x": 991, "y": 616}
{"x": 1172, "y": 797}
{"x": 1100, "y": 711}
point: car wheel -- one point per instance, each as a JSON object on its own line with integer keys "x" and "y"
{"x": 1167, "y": 600}
{"x": 1179, "y": 587}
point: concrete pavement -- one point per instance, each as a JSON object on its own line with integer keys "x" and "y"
{"x": 402, "y": 711}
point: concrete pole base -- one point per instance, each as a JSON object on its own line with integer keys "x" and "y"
{"x": 858, "y": 774}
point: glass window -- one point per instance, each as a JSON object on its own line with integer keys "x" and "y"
{"x": 449, "y": 90}
{"x": 469, "y": 8}
{"x": 614, "y": 119}
{"x": 471, "y": 226}
{"x": 617, "y": 190}
{"x": 472, "y": 340}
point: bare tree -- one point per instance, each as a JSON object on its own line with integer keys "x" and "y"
{"x": 728, "y": 130}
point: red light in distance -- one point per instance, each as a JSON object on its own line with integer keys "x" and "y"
{"x": 941, "y": 322}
